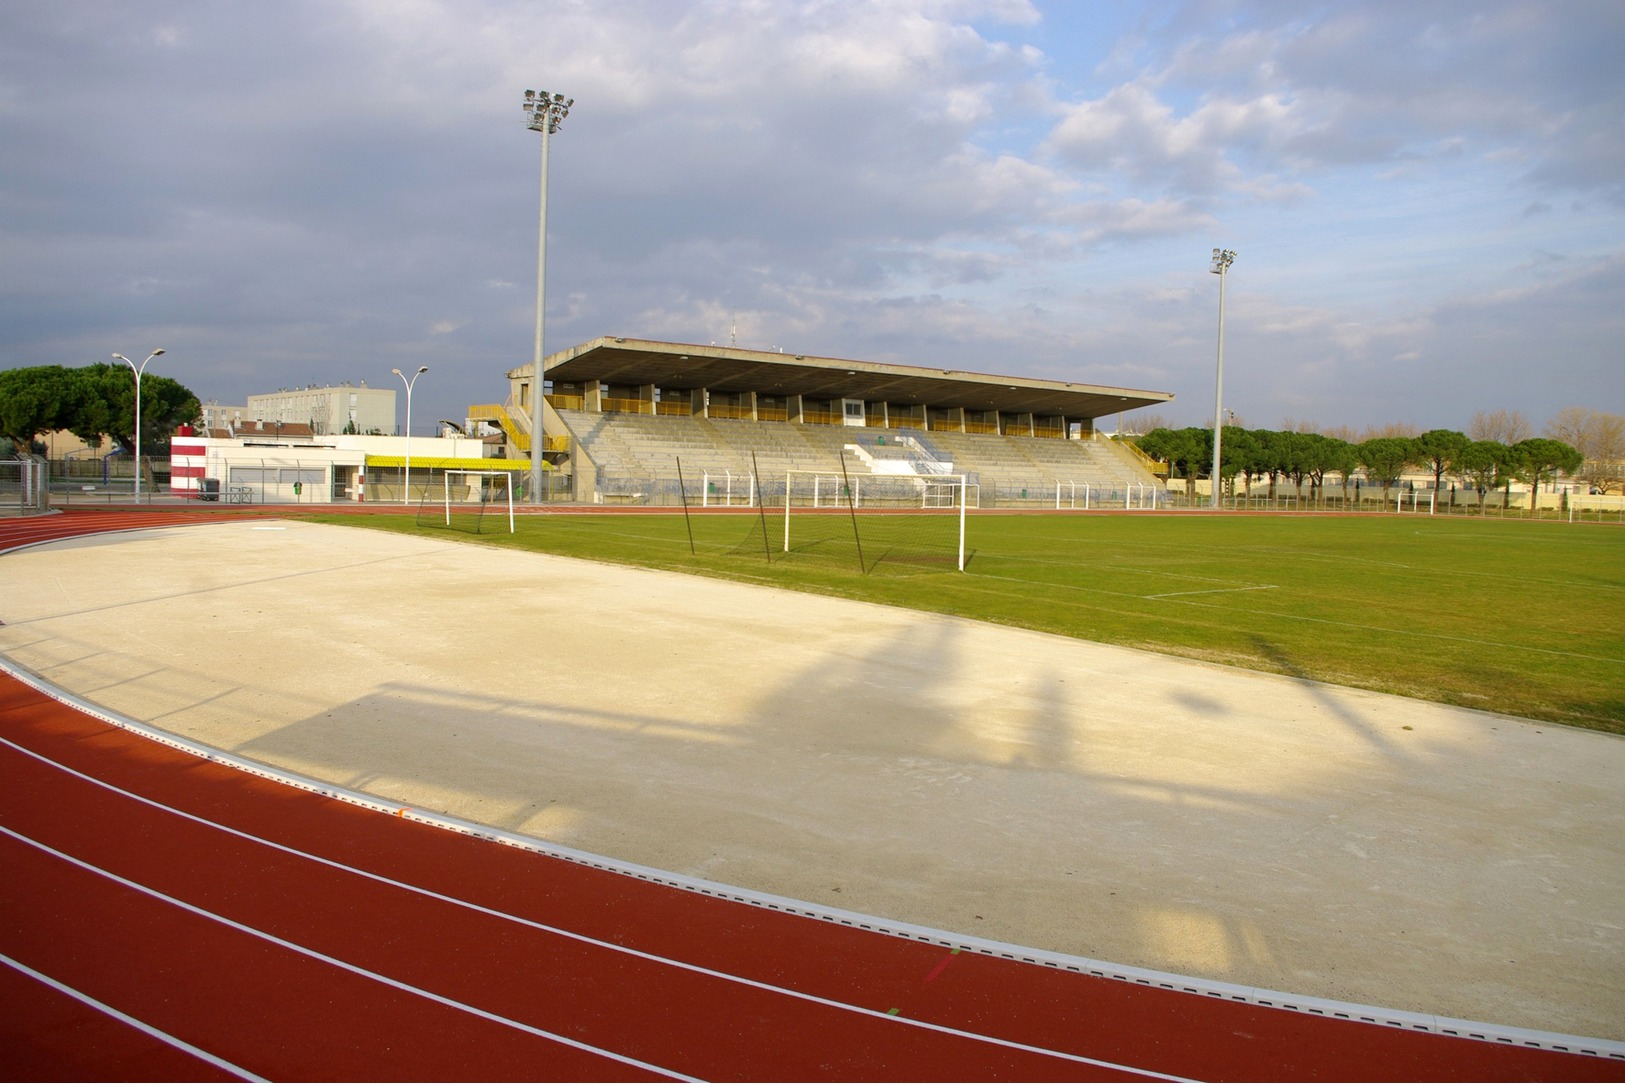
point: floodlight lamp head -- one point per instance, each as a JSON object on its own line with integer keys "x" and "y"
{"x": 121, "y": 358}
{"x": 158, "y": 352}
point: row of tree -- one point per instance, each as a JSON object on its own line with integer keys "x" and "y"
{"x": 1302, "y": 458}
{"x": 90, "y": 402}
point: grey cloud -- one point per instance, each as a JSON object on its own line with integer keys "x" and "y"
{"x": 310, "y": 191}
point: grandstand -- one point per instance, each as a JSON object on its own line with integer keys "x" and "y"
{"x": 622, "y": 417}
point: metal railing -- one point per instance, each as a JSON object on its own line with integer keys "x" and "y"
{"x": 24, "y": 486}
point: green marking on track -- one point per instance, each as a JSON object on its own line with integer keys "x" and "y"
{"x": 894, "y": 1011}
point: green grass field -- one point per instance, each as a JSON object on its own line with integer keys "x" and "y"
{"x": 1508, "y": 616}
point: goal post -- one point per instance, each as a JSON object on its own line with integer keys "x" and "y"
{"x": 891, "y": 517}
{"x": 480, "y": 487}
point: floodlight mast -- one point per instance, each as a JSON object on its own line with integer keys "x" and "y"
{"x": 545, "y": 112}
{"x": 138, "y": 371}
{"x": 1222, "y": 259}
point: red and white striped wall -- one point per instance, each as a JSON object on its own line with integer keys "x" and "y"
{"x": 188, "y": 453}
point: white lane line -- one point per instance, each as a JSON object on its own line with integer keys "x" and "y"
{"x": 590, "y": 940}
{"x": 1204, "y": 592}
{"x": 371, "y": 975}
{"x": 130, "y": 1020}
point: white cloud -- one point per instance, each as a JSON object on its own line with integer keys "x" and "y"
{"x": 320, "y": 183}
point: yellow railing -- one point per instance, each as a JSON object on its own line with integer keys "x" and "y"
{"x": 727, "y": 411}
{"x": 567, "y": 402}
{"x": 673, "y": 407}
{"x": 618, "y": 403}
{"x": 1157, "y": 467}
{"x": 772, "y": 415}
{"x": 972, "y": 427}
{"x": 823, "y": 417}
{"x": 516, "y": 427}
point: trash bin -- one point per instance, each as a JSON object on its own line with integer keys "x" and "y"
{"x": 208, "y": 490}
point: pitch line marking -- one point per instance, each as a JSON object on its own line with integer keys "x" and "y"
{"x": 1202, "y": 592}
{"x": 554, "y": 931}
{"x": 130, "y": 1020}
{"x": 372, "y": 975}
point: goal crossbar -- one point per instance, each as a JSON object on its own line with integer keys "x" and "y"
{"x": 482, "y": 474}
{"x": 933, "y": 497}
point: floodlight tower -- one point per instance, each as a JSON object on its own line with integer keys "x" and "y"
{"x": 545, "y": 113}
{"x": 1222, "y": 259}
{"x": 138, "y": 371}
{"x": 406, "y": 487}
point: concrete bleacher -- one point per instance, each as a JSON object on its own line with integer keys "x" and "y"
{"x": 632, "y": 453}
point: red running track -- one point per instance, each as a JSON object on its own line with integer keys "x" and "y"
{"x": 164, "y": 916}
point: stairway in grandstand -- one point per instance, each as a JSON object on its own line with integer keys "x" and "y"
{"x": 631, "y": 450}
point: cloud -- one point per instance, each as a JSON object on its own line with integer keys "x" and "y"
{"x": 323, "y": 189}
{"x": 1366, "y": 84}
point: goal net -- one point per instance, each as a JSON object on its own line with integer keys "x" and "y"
{"x": 874, "y": 518}
{"x": 468, "y": 500}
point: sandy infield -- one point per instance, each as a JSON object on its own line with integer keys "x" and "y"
{"x": 1021, "y": 787}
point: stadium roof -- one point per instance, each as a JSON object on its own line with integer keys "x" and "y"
{"x": 624, "y": 361}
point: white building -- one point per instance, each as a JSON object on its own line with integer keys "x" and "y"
{"x": 329, "y": 409}
{"x": 217, "y": 416}
{"x": 265, "y": 465}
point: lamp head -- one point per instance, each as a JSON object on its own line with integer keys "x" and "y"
{"x": 546, "y": 110}
{"x": 423, "y": 369}
{"x": 121, "y": 358}
{"x": 158, "y": 352}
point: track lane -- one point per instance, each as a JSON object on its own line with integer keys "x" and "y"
{"x": 49, "y": 1032}
{"x": 665, "y": 1013}
{"x": 1179, "y": 1033}
{"x": 264, "y": 1007}
{"x": 1194, "y": 1035}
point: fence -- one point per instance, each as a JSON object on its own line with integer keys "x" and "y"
{"x": 24, "y": 486}
{"x": 106, "y": 475}
{"x": 1424, "y": 502}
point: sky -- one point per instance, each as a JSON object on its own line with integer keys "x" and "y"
{"x": 1426, "y": 200}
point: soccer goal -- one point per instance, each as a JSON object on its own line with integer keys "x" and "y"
{"x": 876, "y": 517}
{"x": 1415, "y": 498}
{"x": 466, "y": 496}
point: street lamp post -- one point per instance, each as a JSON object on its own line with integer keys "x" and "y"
{"x": 406, "y": 488}
{"x": 545, "y": 113}
{"x": 1222, "y": 259}
{"x": 138, "y": 371}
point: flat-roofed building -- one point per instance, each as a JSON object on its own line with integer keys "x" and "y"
{"x": 650, "y": 377}
{"x": 328, "y": 409}
{"x": 596, "y": 393}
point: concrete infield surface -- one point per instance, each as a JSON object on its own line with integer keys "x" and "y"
{"x": 1021, "y": 787}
